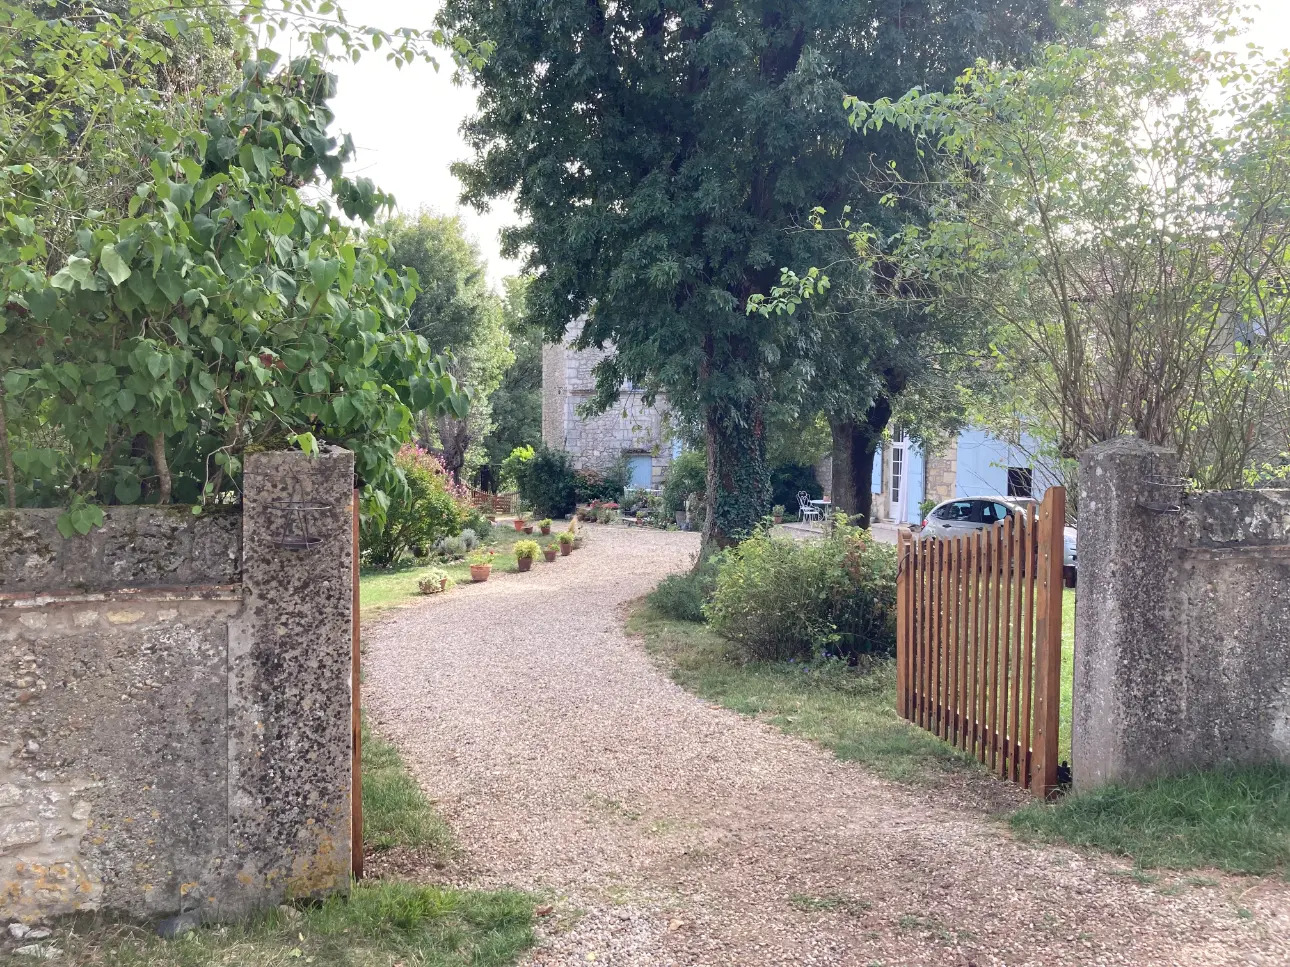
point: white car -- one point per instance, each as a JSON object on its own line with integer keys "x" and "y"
{"x": 962, "y": 515}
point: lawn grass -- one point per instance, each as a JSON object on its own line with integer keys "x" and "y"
{"x": 382, "y": 923}
{"x": 1236, "y": 820}
{"x": 395, "y": 810}
{"x": 852, "y": 713}
{"x": 391, "y": 587}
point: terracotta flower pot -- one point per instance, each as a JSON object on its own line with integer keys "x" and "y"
{"x": 779, "y": 518}
{"x": 524, "y": 563}
{"x": 565, "y": 549}
{"x": 480, "y": 572}
{"x": 546, "y": 530}
{"x": 528, "y": 528}
{"x": 549, "y": 553}
{"x": 519, "y": 523}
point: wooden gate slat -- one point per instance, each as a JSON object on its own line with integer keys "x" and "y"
{"x": 1028, "y": 647}
{"x": 1014, "y": 684}
{"x": 983, "y": 644}
{"x": 923, "y": 635}
{"x": 952, "y": 654}
{"x": 1048, "y": 634}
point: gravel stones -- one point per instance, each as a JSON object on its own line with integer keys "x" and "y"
{"x": 667, "y": 831}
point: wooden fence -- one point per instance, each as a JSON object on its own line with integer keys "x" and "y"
{"x": 979, "y": 641}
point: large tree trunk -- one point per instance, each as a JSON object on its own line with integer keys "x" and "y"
{"x": 454, "y": 440}
{"x": 738, "y": 478}
{"x": 854, "y": 446}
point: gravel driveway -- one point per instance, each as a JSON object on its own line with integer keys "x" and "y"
{"x": 668, "y": 831}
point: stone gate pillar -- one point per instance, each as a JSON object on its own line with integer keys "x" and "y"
{"x": 1128, "y": 662}
{"x": 289, "y": 756}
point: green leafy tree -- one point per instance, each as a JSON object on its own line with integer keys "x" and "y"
{"x": 864, "y": 362}
{"x": 457, "y": 313}
{"x": 1119, "y": 210}
{"x": 517, "y": 404}
{"x": 210, "y": 304}
{"x": 660, "y": 153}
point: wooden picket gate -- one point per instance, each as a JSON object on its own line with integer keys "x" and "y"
{"x": 979, "y": 641}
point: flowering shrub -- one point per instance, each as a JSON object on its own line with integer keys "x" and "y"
{"x": 778, "y": 598}
{"x": 434, "y": 508}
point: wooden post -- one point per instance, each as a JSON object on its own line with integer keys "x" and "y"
{"x": 356, "y": 728}
{"x": 903, "y": 563}
{"x": 1048, "y": 634}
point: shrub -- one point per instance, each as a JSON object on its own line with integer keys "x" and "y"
{"x": 452, "y": 547}
{"x": 526, "y": 549}
{"x": 477, "y": 522}
{"x": 683, "y": 596}
{"x": 607, "y": 484}
{"x": 431, "y": 511}
{"x": 565, "y": 537}
{"x": 687, "y": 475}
{"x": 468, "y": 538}
{"x": 513, "y": 467}
{"x": 778, "y": 598}
{"x": 546, "y": 482}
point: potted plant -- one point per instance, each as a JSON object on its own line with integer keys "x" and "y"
{"x": 549, "y": 553}
{"x": 519, "y": 523}
{"x": 545, "y": 524}
{"x": 778, "y": 513}
{"x": 434, "y": 582}
{"x": 525, "y": 551}
{"x": 566, "y": 543}
{"x": 481, "y": 565}
{"x": 528, "y": 528}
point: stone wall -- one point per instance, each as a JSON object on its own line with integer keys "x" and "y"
{"x": 941, "y": 481}
{"x": 596, "y": 441}
{"x": 176, "y": 698}
{"x": 1182, "y": 651}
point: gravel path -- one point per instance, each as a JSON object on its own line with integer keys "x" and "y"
{"x": 668, "y": 831}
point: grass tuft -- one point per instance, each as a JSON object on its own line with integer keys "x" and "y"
{"x": 1235, "y": 819}
{"x": 395, "y": 810}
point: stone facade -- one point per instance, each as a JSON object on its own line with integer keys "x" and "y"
{"x": 941, "y": 480}
{"x": 628, "y": 428}
{"x": 1182, "y": 635}
{"x": 176, "y": 699}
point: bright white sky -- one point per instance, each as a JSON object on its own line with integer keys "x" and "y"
{"x": 405, "y": 122}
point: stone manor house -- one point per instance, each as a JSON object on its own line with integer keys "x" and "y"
{"x": 628, "y": 429}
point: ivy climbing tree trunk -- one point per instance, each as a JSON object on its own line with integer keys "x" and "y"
{"x": 854, "y": 444}
{"x": 738, "y": 492}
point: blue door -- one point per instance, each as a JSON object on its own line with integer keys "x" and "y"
{"x": 640, "y": 471}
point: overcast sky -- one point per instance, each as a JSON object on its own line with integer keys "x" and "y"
{"x": 405, "y": 122}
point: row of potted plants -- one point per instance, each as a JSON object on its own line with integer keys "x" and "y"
{"x": 523, "y": 524}
{"x": 481, "y": 563}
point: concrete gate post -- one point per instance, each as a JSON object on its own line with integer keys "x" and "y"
{"x": 1128, "y": 662}
{"x": 289, "y": 756}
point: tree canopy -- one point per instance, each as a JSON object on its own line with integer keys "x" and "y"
{"x": 660, "y": 155}
{"x": 1119, "y": 209}
{"x": 174, "y": 289}
{"x": 458, "y": 314}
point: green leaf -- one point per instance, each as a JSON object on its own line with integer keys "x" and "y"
{"x": 114, "y": 265}
{"x": 128, "y": 490}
